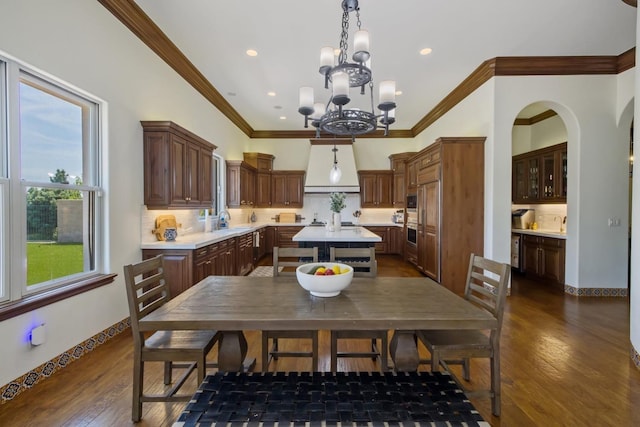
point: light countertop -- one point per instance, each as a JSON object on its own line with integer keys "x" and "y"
{"x": 346, "y": 234}
{"x": 201, "y": 239}
{"x": 542, "y": 233}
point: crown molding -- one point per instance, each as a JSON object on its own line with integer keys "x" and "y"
{"x": 535, "y": 119}
{"x": 134, "y": 18}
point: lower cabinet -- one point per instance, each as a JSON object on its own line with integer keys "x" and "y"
{"x": 178, "y": 266}
{"x": 245, "y": 254}
{"x": 544, "y": 258}
{"x": 186, "y": 267}
{"x": 284, "y": 236}
{"x": 391, "y": 239}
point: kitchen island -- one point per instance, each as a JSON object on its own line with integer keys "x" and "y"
{"x": 347, "y": 237}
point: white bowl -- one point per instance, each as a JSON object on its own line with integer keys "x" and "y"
{"x": 324, "y": 286}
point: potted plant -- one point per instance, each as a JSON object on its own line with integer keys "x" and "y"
{"x": 337, "y": 204}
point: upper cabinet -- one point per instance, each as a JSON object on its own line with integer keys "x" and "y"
{"x": 287, "y": 189}
{"x": 540, "y": 176}
{"x": 177, "y": 167}
{"x": 399, "y": 168}
{"x": 376, "y": 188}
{"x": 241, "y": 184}
{"x": 264, "y": 166}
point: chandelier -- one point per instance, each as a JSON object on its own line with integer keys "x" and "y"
{"x": 334, "y": 117}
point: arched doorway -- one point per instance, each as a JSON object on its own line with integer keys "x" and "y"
{"x": 539, "y": 192}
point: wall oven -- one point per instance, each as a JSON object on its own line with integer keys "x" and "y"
{"x": 412, "y": 230}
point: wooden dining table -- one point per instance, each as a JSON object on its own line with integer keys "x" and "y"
{"x": 233, "y": 304}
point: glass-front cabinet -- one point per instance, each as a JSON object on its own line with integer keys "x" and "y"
{"x": 540, "y": 176}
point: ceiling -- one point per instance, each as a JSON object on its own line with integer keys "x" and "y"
{"x": 288, "y": 35}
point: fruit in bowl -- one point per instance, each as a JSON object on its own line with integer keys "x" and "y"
{"x": 324, "y": 279}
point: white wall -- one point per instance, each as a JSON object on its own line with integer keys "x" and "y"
{"x": 81, "y": 43}
{"x": 597, "y": 150}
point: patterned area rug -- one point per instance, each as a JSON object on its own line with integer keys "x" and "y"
{"x": 263, "y": 271}
{"x": 278, "y": 399}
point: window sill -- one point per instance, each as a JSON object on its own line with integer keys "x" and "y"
{"x": 32, "y": 302}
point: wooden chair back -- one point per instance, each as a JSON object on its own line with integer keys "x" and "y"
{"x": 361, "y": 258}
{"x": 292, "y": 257}
{"x": 146, "y": 290}
{"x": 487, "y": 283}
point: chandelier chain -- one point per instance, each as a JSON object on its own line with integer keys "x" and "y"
{"x": 344, "y": 38}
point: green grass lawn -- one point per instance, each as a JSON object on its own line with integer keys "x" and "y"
{"x": 49, "y": 260}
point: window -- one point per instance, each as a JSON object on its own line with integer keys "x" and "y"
{"x": 50, "y": 185}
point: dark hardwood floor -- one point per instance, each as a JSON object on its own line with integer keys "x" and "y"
{"x": 565, "y": 362}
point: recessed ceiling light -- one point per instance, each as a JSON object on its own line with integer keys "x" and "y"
{"x": 425, "y": 51}
{"x": 398, "y": 92}
{"x": 283, "y": 118}
{"x": 252, "y": 52}
{"x": 271, "y": 93}
{"x": 277, "y": 107}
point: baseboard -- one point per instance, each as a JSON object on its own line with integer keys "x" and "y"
{"x": 44, "y": 371}
{"x": 595, "y": 292}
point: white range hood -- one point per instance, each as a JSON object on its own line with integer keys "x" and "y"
{"x": 321, "y": 162}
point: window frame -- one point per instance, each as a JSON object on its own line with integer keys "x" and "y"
{"x": 15, "y": 297}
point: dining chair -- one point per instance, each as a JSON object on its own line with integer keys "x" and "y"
{"x": 363, "y": 261}
{"x": 486, "y": 286}
{"x": 283, "y": 260}
{"x": 147, "y": 290}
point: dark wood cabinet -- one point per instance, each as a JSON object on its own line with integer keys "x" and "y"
{"x": 287, "y": 189}
{"x": 396, "y": 240}
{"x": 399, "y": 168}
{"x": 376, "y": 189}
{"x": 241, "y": 184}
{"x": 383, "y": 246}
{"x": 269, "y": 239}
{"x": 178, "y": 266}
{"x": 544, "y": 258}
{"x": 177, "y": 167}
{"x": 186, "y": 267}
{"x": 412, "y": 174}
{"x": 245, "y": 254}
{"x": 263, "y": 163}
{"x": 540, "y": 176}
{"x": 284, "y": 236}
{"x": 450, "y": 189}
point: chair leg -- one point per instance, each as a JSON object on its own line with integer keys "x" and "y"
{"x": 202, "y": 368}
{"x": 495, "y": 382}
{"x": 435, "y": 361}
{"x": 466, "y": 369}
{"x": 314, "y": 349}
{"x": 373, "y": 348}
{"x": 334, "y": 352}
{"x": 168, "y": 370}
{"x": 265, "y": 352}
{"x": 138, "y": 384}
{"x": 275, "y": 348}
{"x": 384, "y": 353}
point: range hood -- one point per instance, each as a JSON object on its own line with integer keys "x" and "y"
{"x": 321, "y": 162}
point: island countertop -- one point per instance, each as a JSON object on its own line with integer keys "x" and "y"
{"x": 346, "y": 234}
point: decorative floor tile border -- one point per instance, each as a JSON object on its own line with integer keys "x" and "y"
{"x": 595, "y": 292}
{"x": 635, "y": 356}
{"x": 31, "y": 378}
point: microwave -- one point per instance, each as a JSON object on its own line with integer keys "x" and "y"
{"x": 412, "y": 202}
